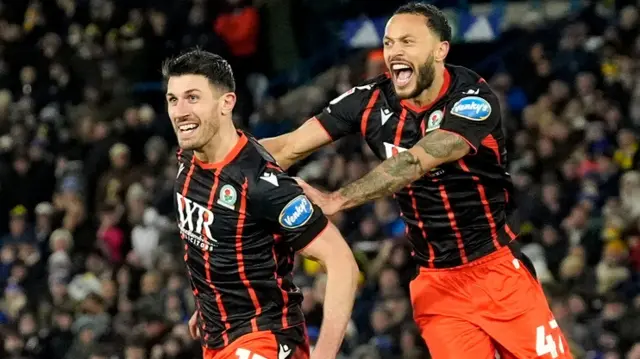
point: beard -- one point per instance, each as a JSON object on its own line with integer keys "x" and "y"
{"x": 425, "y": 75}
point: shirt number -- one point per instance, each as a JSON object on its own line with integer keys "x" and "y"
{"x": 242, "y": 353}
{"x": 545, "y": 344}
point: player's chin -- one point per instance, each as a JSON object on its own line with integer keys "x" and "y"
{"x": 188, "y": 144}
{"x": 405, "y": 92}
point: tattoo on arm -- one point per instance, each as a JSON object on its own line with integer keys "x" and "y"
{"x": 441, "y": 144}
{"x": 401, "y": 169}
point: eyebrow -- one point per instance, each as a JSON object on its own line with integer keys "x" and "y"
{"x": 403, "y": 37}
{"x": 169, "y": 94}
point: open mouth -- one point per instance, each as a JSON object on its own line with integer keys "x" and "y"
{"x": 188, "y": 128}
{"x": 402, "y": 73}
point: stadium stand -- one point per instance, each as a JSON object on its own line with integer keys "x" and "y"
{"x": 90, "y": 262}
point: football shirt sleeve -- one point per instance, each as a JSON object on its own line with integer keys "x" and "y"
{"x": 473, "y": 115}
{"x": 282, "y": 206}
{"x": 344, "y": 113}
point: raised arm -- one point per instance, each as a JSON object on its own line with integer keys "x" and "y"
{"x": 340, "y": 118}
{"x": 468, "y": 121}
{"x": 434, "y": 149}
{"x": 294, "y": 146}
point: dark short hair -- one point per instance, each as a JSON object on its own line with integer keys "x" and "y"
{"x": 436, "y": 20}
{"x": 199, "y": 62}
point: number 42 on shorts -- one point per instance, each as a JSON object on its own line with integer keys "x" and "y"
{"x": 545, "y": 343}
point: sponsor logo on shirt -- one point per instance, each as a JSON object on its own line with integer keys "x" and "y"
{"x": 472, "y": 108}
{"x": 296, "y": 213}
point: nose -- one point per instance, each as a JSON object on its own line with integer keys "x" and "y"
{"x": 181, "y": 110}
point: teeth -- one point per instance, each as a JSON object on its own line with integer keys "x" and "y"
{"x": 188, "y": 127}
{"x": 398, "y": 67}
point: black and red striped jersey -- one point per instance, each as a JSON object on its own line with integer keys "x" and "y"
{"x": 459, "y": 211}
{"x": 241, "y": 221}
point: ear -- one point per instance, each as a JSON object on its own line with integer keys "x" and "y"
{"x": 227, "y": 103}
{"x": 441, "y": 51}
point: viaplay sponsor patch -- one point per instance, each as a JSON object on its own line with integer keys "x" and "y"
{"x": 472, "y": 108}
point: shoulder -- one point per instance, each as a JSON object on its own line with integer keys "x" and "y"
{"x": 363, "y": 92}
{"x": 257, "y": 166}
{"x": 470, "y": 97}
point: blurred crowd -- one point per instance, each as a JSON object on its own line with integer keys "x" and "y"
{"x": 90, "y": 262}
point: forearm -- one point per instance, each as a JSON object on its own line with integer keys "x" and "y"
{"x": 277, "y": 146}
{"x": 386, "y": 179}
{"x": 342, "y": 283}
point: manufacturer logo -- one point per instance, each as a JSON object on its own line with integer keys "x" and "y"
{"x": 391, "y": 150}
{"x": 471, "y": 92}
{"x": 271, "y": 178}
{"x": 194, "y": 222}
{"x": 434, "y": 121}
{"x": 472, "y": 108}
{"x": 284, "y": 351}
{"x": 228, "y": 196}
{"x": 296, "y": 213}
{"x": 385, "y": 115}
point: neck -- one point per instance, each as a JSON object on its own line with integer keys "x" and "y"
{"x": 430, "y": 94}
{"x": 220, "y": 144}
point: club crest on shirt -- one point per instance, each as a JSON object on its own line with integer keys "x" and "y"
{"x": 228, "y": 196}
{"x": 472, "y": 108}
{"x": 434, "y": 120}
{"x": 296, "y": 213}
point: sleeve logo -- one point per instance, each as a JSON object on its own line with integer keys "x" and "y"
{"x": 296, "y": 213}
{"x": 472, "y": 108}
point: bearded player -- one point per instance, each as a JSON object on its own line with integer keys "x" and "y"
{"x": 437, "y": 128}
{"x": 242, "y": 219}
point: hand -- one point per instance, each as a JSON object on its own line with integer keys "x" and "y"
{"x": 328, "y": 202}
{"x": 193, "y": 326}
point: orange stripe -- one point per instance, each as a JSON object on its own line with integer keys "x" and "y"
{"x": 285, "y": 295}
{"x": 452, "y": 221}
{"x": 485, "y": 204}
{"x": 509, "y": 232}
{"x": 491, "y": 143}
{"x": 207, "y": 263}
{"x": 185, "y": 190}
{"x": 367, "y": 111}
{"x": 240, "y": 257}
{"x": 414, "y": 202}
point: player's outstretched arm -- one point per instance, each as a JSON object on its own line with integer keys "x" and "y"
{"x": 434, "y": 149}
{"x": 332, "y": 251}
{"x": 294, "y": 146}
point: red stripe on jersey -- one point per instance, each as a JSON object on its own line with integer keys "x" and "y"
{"x": 367, "y": 111}
{"x": 274, "y": 167}
{"x": 285, "y": 295}
{"x": 485, "y": 204}
{"x": 509, "y": 232}
{"x": 242, "y": 214}
{"x": 207, "y": 264}
{"x": 491, "y": 143}
{"x": 452, "y": 221}
{"x": 414, "y": 202}
{"x": 185, "y": 190}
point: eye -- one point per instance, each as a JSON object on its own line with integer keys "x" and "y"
{"x": 407, "y": 41}
{"x": 172, "y": 100}
{"x": 387, "y": 43}
{"x": 192, "y": 98}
